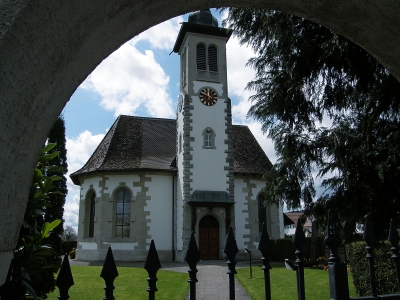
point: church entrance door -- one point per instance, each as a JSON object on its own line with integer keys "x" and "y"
{"x": 209, "y": 238}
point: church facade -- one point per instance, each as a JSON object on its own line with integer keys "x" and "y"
{"x": 161, "y": 179}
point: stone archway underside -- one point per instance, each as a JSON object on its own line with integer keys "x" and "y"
{"x": 47, "y": 48}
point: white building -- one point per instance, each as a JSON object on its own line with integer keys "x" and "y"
{"x": 161, "y": 179}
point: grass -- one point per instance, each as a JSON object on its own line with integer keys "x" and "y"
{"x": 283, "y": 283}
{"x": 130, "y": 284}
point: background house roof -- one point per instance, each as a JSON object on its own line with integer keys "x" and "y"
{"x": 295, "y": 215}
{"x": 139, "y": 143}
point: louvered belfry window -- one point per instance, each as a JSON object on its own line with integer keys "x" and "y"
{"x": 123, "y": 214}
{"x": 201, "y": 57}
{"x": 212, "y": 59}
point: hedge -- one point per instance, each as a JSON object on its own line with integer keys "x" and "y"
{"x": 68, "y": 246}
{"x": 385, "y": 272}
{"x": 285, "y": 249}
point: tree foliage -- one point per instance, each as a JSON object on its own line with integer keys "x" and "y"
{"x": 69, "y": 233}
{"x": 332, "y": 112}
{"x": 55, "y": 208}
{"x": 36, "y": 255}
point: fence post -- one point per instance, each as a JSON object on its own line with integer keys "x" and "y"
{"x": 152, "y": 266}
{"x": 338, "y": 283}
{"x": 369, "y": 239}
{"x": 231, "y": 250}
{"x": 265, "y": 247}
{"x": 109, "y": 273}
{"x": 64, "y": 279}
{"x": 299, "y": 241}
{"x": 192, "y": 258}
{"x": 394, "y": 240}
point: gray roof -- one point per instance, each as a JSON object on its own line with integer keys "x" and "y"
{"x": 138, "y": 143}
{"x": 215, "y": 197}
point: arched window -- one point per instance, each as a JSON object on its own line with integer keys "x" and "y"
{"x": 92, "y": 212}
{"x": 262, "y": 212}
{"x": 212, "y": 59}
{"x": 201, "y": 57}
{"x": 208, "y": 138}
{"x": 123, "y": 214}
{"x": 207, "y": 62}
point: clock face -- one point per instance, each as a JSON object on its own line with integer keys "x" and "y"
{"x": 208, "y": 96}
{"x": 180, "y": 102}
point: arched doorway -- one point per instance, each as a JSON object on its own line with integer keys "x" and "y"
{"x": 209, "y": 238}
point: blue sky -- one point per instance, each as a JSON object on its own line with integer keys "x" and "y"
{"x": 141, "y": 78}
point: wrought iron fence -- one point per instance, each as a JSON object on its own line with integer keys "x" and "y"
{"x": 338, "y": 282}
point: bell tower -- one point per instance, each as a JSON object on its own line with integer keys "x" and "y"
{"x": 204, "y": 124}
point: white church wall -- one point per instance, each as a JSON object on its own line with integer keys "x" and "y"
{"x": 209, "y": 172}
{"x": 246, "y": 213}
{"x": 91, "y": 183}
{"x": 160, "y": 211}
{"x": 114, "y": 181}
{"x": 241, "y": 215}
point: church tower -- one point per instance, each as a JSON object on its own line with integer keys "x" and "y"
{"x": 205, "y": 183}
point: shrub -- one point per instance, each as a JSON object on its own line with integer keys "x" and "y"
{"x": 385, "y": 272}
{"x": 72, "y": 254}
{"x": 282, "y": 249}
{"x": 68, "y": 246}
{"x": 285, "y": 249}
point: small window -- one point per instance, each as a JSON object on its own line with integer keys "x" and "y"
{"x": 201, "y": 57}
{"x": 262, "y": 212}
{"x": 92, "y": 212}
{"x": 208, "y": 138}
{"x": 123, "y": 214}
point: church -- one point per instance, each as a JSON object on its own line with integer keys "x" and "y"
{"x": 162, "y": 179}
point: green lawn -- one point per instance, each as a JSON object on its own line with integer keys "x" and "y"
{"x": 130, "y": 284}
{"x": 283, "y": 283}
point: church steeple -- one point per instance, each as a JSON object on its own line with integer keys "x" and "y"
{"x": 204, "y": 146}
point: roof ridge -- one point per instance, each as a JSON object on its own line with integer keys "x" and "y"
{"x": 146, "y": 118}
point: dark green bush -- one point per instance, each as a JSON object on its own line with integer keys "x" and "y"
{"x": 284, "y": 249}
{"x": 384, "y": 268}
{"x": 67, "y": 246}
{"x": 72, "y": 254}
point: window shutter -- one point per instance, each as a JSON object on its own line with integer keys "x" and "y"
{"x": 212, "y": 59}
{"x": 201, "y": 57}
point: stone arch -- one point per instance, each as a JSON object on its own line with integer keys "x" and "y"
{"x": 48, "y": 48}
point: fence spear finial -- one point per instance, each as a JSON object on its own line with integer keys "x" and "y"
{"x": 152, "y": 265}
{"x": 109, "y": 273}
{"x": 64, "y": 279}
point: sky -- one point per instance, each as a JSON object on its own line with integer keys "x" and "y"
{"x": 141, "y": 78}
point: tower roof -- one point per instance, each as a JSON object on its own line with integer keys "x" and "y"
{"x": 203, "y": 17}
{"x": 202, "y": 22}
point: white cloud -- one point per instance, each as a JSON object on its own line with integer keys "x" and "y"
{"x": 79, "y": 150}
{"x": 161, "y": 36}
{"x": 128, "y": 80}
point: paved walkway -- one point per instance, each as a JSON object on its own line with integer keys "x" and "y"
{"x": 213, "y": 282}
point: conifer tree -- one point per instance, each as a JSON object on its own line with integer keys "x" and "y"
{"x": 333, "y": 113}
{"x": 55, "y": 211}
